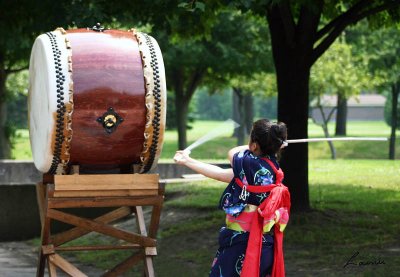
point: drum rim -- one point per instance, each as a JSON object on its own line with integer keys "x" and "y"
{"x": 59, "y": 95}
{"x": 155, "y": 85}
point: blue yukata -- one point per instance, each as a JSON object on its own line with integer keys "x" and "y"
{"x": 238, "y": 205}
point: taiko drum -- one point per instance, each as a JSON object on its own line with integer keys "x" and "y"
{"x": 97, "y": 98}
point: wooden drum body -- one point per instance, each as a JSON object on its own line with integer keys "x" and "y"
{"x": 96, "y": 99}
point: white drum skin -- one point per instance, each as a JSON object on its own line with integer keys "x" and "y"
{"x": 43, "y": 96}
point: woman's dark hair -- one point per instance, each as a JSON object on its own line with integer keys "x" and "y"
{"x": 269, "y": 136}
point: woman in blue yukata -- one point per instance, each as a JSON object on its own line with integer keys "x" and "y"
{"x": 255, "y": 171}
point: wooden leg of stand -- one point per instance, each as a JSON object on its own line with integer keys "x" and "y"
{"x": 45, "y": 223}
{"x": 155, "y": 218}
{"x": 41, "y": 200}
{"x": 153, "y": 227}
{"x": 148, "y": 260}
{"x": 52, "y": 269}
{"x": 148, "y": 268}
{"x": 41, "y": 264}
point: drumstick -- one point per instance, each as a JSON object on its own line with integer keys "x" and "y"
{"x": 217, "y": 131}
{"x": 286, "y": 142}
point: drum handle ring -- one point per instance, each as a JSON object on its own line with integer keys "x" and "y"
{"x": 110, "y": 120}
{"x": 97, "y": 28}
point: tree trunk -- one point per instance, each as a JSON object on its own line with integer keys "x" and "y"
{"x": 395, "y": 97}
{"x": 341, "y": 116}
{"x": 330, "y": 143}
{"x": 325, "y": 127}
{"x": 248, "y": 112}
{"x": 182, "y": 107}
{"x": 5, "y": 145}
{"x": 293, "y": 110}
{"x": 241, "y": 130}
{"x": 235, "y": 113}
{"x": 184, "y": 91}
{"x": 292, "y": 49}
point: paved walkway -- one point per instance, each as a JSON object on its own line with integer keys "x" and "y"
{"x": 19, "y": 259}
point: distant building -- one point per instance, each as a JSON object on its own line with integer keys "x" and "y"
{"x": 364, "y": 107}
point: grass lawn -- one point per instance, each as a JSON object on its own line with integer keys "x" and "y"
{"x": 22, "y": 147}
{"x": 217, "y": 148}
{"x": 355, "y": 208}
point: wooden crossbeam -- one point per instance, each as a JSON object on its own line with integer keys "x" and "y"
{"x": 98, "y": 247}
{"x": 77, "y": 232}
{"x": 100, "y": 228}
{"x": 94, "y": 193}
{"x": 106, "y": 182}
{"x": 65, "y": 266}
{"x": 52, "y": 269}
{"x": 124, "y": 266}
{"x": 97, "y": 202}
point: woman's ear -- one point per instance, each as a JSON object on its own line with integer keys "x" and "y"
{"x": 253, "y": 146}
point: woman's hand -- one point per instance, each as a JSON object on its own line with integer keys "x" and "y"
{"x": 182, "y": 157}
{"x": 212, "y": 171}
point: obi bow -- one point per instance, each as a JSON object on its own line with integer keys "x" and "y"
{"x": 273, "y": 212}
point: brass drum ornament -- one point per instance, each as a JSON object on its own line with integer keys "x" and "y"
{"x": 96, "y": 99}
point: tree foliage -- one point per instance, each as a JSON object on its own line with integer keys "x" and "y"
{"x": 232, "y": 48}
{"x": 339, "y": 72}
{"x": 383, "y": 56}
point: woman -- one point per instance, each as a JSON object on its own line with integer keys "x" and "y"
{"x": 255, "y": 178}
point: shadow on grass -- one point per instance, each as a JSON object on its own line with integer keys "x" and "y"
{"x": 348, "y": 220}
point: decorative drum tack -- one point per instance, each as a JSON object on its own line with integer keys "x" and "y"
{"x": 97, "y": 98}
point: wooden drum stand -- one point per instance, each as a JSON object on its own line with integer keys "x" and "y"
{"x": 126, "y": 192}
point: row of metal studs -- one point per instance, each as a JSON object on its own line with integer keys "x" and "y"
{"x": 157, "y": 104}
{"x": 60, "y": 79}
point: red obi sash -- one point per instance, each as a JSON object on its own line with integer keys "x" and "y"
{"x": 275, "y": 207}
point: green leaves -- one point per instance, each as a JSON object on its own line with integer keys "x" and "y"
{"x": 193, "y": 6}
{"x": 16, "y": 84}
{"x": 338, "y": 71}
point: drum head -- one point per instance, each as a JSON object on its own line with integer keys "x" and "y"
{"x": 44, "y": 70}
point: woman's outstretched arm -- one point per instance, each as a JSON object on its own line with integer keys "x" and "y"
{"x": 209, "y": 170}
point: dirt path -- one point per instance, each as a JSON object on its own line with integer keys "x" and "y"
{"x": 19, "y": 259}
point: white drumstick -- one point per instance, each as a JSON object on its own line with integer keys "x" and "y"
{"x": 217, "y": 131}
{"x": 286, "y": 142}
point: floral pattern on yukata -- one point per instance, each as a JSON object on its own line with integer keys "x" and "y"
{"x": 247, "y": 166}
{"x": 229, "y": 258}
